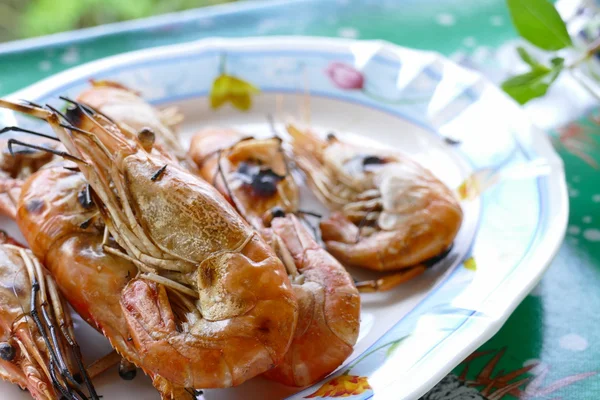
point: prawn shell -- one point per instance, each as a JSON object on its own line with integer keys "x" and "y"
{"x": 230, "y": 148}
{"x": 248, "y": 307}
{"x": 181, "y": 214}
{"x": 90, "y": 279}
{"x": 50, "y": 216}
{"x": 329, "y": 310}
{"x": 15, "y": 292}
{"x": 389, "y": 211}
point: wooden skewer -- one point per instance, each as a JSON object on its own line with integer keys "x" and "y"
{"x": 103, "y": 363}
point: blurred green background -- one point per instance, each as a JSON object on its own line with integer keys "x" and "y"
{"x": 20, "y": 19}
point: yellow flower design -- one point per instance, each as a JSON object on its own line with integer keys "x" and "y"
{"x": 342, "y": 386}
{"x": 470, "y": 264}
{"x": 229, "y": 88}
{"x": 476, "y": 184}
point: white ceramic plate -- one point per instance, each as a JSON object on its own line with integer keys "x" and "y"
{"x": 405, "y": 99}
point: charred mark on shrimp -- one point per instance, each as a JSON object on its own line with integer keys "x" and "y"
{"x": 261, "y": 180}
{"x": 34, "y": 206}
{"x": 363, "y": 163}
{"x": 277, "y": 212}
{"x": 158, "y": 173}
{"x": 7, "y": 351}
{"x": 85, "y": 197}
{"x": 75, "y": 110}
{"x": 74, "y": 114}
{"x": 85, "y": 224}
{"x": 127, "y": 370}
{"x": 207, "y": 276}
{"x": 436, "y": 259}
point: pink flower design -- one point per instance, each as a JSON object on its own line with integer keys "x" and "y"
{"x": 345, "y": 76}
{"x": 579, "y": 141}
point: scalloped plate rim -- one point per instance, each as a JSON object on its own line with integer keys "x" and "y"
{"x": 539, "y": 141}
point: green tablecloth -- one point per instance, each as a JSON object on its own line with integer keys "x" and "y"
{"x": 550, "y": 346}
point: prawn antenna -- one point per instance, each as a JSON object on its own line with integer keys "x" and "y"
{"x": 18, "y": 129}
{"x": 274, "y": 130}
{"x": 76, "y": 351}
{"x": 56, "y": 362}
{"x": 63, "y": 154}
{"x": 76, "y": 129}
{"x": 87, "y": 110}
{"x": 57, "y": 111}
{"x": 30, "y": 103}
{"x": 314, "y": 228}
{"x": 310, "y": 213}
{"x": 362, "y": 223}
{"x": 64, "y": 371}
{"x": 221, "y": 173}
{"x": 50, "y": 318}
{"x": 286, "y": 160}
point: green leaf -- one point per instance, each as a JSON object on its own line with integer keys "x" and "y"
{"x": 557, "y": 62}
{"x": 530, "y": 60}
{"x": 50, "y": 16}
{"x": 538, "y": 22}
{"x": 534, "y": 83}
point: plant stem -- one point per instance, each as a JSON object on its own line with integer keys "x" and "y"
{"x": 585, "y": 85}
{"x": 591, "y": 70}
{"x": 590, "y": 51}
{"x": 223, "y": 64}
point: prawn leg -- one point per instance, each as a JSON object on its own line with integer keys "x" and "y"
{"x": 35, "y": 332}
{"x": 51, "y": 213}
{"x": 237, "y": 311}
{"x": 253, "y": 174}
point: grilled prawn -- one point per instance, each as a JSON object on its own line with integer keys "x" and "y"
{"x": 126, "y": 108}
{"x": 61, "y": 223}
{"x": 388, "y": 211}
{"x": 121, "y": 105}
{"x": 211, "y": 305}
{"x": 14, "y": 168}
{"x": 38, "y": 351}
{"x": 133, "y": 115}
{"x": 253, "y": 174}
